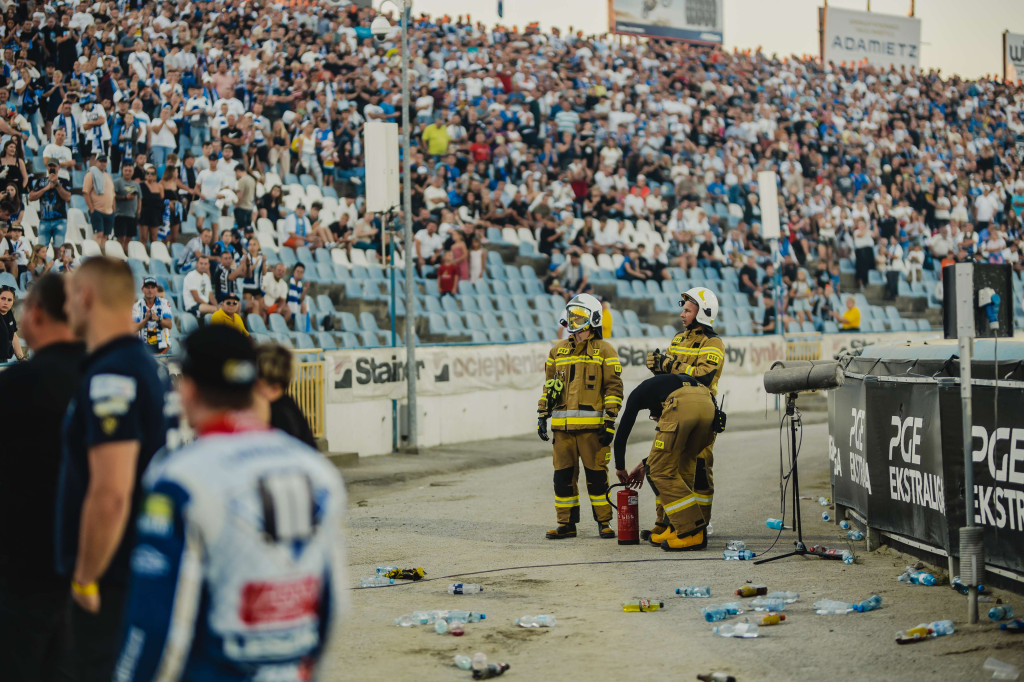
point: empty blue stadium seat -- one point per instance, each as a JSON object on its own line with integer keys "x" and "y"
{"x": 924, "y": 325}
{"x": 187, "y": 323}
{"x": 369, "y": 339}
{"x": 256, "y": 324}
{"x": 454, "y": 321}
{"x": 368, "y": 322}
{"x": 349, "y": 340}
{"x": 436, "y": 324}
{"x": 326, "y": 341}
{"x": 830, "y": 327}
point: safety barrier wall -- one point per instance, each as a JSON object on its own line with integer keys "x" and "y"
{"x": 467, "y": 393}
{"x": 896, "y": 450}
{"x": 307, "y": 387}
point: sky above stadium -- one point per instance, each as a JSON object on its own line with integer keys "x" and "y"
{"x": 958, "y": 36}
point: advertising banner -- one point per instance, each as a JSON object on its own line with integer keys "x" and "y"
{"x": 852, "y": 36}
{"x": 698, "y": 21}
{"x": 851, "y": 477}
{"x": 904, "y": 450}
{"x": 1013, "y": 56}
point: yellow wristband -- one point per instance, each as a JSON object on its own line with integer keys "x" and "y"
{"x": 86, "y": 590}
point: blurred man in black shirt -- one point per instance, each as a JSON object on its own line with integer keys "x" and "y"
{"x": 33, "y": 597}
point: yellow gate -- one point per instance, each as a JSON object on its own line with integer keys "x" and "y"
{"x": 307, "y": 387}
{"x": 805, "y": 346}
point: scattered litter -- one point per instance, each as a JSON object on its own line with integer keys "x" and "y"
{"x": 844, "y": 555}
{"x": 828, "y": 607}
{"x": 464, "y": 588}
{"x": 709, "y": 530}
{"x": 482, "y": 670}
{"x": 738, "y": 555}
{"x": 1003, "y": 612}
{"x": 456, "y": 628}
{"x": 752, "y": 590}
{"x": 824, "y": 501}
{"x": 1015, "y": 626}
{"x": 777, "y": 524}
{"x": 741, "y": 630}
{"x": 638, "y": 605}
{"x": 441, "y": 627}
{"x": 736, "y": 545}
{"x": 845, "y": 525}
{"x": 376, "y": 581}
{"x": 825, "y": 516}
{"x": 925, "y": 631}
{"x": 701, "y": 591}
{"x": 1000, "y": 670}
{"x": 788, "y": 597}
{"x": 721, "y": 612}
{"x": 768, "y": 604}
{"x": 716, "y": 677}
{"x": 463, "y": 662}
{"x": 384, "y": 570}
{"x": 855, "y": 535}
{"x": 959, "y": 586}
{"x": 915, "y": 577}
{"x": 542, "y": 621}
{"x": 434, "y": 617}
{"x": 772, "y": 618}
{"x": 870, "y": 604}
{"x": 401, "y": 573}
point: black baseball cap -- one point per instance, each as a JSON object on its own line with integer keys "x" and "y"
{"x": 221, "y": 357}
{"x": 230, "y": 296}
{"x": 149, "y": 281}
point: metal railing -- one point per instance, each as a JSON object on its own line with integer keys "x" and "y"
{"x": 307, "y": 387}
{"x": 805, "y": 346}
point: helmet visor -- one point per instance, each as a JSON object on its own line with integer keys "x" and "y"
{"x": 577, "y": 318}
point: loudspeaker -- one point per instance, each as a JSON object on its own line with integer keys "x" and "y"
{"x": 996, "y": 277}
{"x": 380, "y": 146}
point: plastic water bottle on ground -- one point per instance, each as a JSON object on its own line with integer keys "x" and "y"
{"x": 768, "y": 604}
{"x": 828, "y": 607}
{"x": 415, "y": 618}
{"x": 542, "y": 621}
{"x": 441, "y": 627}
{"x": 464, "y": 588}
{"x": 375, "y": 581}
{"x": 492, "y": 670}
{"x": 739, "y": 630}
{"x": 870, "y": 604}
{"x": 466, "y": 616}
{"x": 777, "y": 524}
{"x": 714, "y": 614}
{"x": 825, "y": 516}
{"x": 855, "y": 535}
{"x": 845, "y": 525}
{"x": 1002, "y": 612}
{"x": 938, "y": 628}
{"x": 457, "y": 629}
{"x": 824, "y": 501}
{"x": 915, "y": 577}
{"x": 736, "y": 545}
{"x": 752, "y": 590}
{"x": 463, "y": 662}
{"x": 771, "y": 618}
{"x": 959, "y": 586}
{"x": 716, "y": 677}
{"x": 788, "y": 597}
{"x": 383, "y": 570}
{"x": 1001, "y": 670}
{"x": 479, "y": 661}
{"x": 702, "y": 591}
{"x": 642, "y": 605}
{"x": 738, "y": 555}
{"x": 1016, "y": 625}
{"x": 709, "y": 530}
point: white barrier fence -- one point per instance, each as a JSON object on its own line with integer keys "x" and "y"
{"x": 468, "y": 393}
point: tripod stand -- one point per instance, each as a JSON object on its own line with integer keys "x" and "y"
{"x": 794, "y": 425}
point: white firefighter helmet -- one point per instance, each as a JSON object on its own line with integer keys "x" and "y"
{"x": 707, "y": 304}
{"x": 581, "y": 312}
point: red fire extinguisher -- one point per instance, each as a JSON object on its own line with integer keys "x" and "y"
{"x": 627, "y": 508}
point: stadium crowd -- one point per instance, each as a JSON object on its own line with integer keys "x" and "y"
{"x": 186, "y": 122}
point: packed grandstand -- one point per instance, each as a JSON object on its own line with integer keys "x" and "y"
{"x": 220, "y": 151}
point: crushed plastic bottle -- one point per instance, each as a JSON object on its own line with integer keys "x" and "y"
{"x": 1002, "y": 612}
{"x": 772, "y": 618}
{"x": 716, "y": 677}
{"x": 1015, "y": 626}
{"x": 701, "y": 591}
{"x": 788, "y": 597}
{"x": 464, "y": 588}
{"x": 825, "y": 516}
{"x": 938, "y": 628}
{"x": 855, "y": 535}
{"x": 491, "y": 670}
{"x": 638, "y": 605}
{"x": 736, "y": 545}
{"x": 777, "y": 524}
{"x": 742, "y": 630}
{"x": 824, "y": 501}
{"x": 542, "y": 621}
{"x": 407, "y": 620}
{"x": 915, "y": 577}
{"x": 768, "y": 604}
{"x": 845, "y": 555}
{"x": 466, "y": 616}
{"x": 828, "y": 607}
{"x": 1001, "y": 670}
{"x": 384, "y": 570}
{"x": 463, "y": 662}
{"x": 845, "y": 525}
{"x": 376, "y": 581}
{"x": 752, "y": 590}
{"x": 721, "y": 611}
{"x": 738, "y": 555}
{"x": 870, "y": 604}
{"x": 441, "y": 627}
{"x": 959, "y": 586}
{"x": 479, "y": 661}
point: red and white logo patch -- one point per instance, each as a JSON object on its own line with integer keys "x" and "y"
{"x": 264, "y": 603}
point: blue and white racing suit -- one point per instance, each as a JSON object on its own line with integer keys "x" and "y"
{"x": 239, "y": 568}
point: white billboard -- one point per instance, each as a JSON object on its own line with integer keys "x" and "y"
{"x": 697, "y": 21}
{"x": 852, "y": 36}
{"x": 1013, "y": 56}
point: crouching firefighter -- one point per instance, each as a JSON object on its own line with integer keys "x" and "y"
{"x": 699, "y": 352}
{"x": 582, "y": 396}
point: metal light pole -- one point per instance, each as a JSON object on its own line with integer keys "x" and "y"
{"x": 410, "y": 283}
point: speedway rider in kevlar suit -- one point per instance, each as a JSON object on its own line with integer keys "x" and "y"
{"x": 698, "y": 352}
{"x": 582, "y": 395}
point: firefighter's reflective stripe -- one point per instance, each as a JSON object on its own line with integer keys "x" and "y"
{"x": 576, "y": 421}
{"x": 614, "y": 363}
{"x": 703, "y": 499}
{"x": 681, "y": 504}
{"x": 612, "y": 400}
{"x": 598, "y": 501}
{"x": 689, "y": 370}
{"x": 680, "y": 350}
{"x": 578, "y": 414}
{"x": 549, "y": 362}
{"x": 578, "y": 360}
{"x": 567, "y": 501}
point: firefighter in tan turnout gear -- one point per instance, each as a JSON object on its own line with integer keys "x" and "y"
{"x": 698, "y": 352}
{"x": 582, "y": 396}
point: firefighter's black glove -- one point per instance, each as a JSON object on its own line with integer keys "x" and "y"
{"x": 655, "y": 361}
{"x": 608, "y": 435}
{"x": 542, "y": 428}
